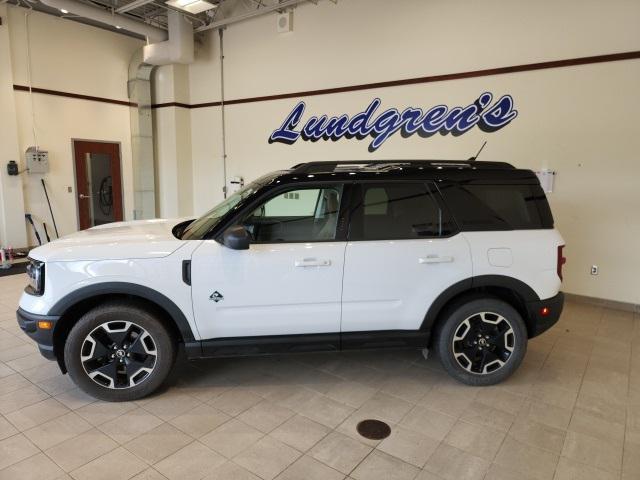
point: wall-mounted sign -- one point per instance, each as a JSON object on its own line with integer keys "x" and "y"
{"x": 487, "y": 115}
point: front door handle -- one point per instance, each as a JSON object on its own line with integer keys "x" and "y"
{"x": 312, "y": 262}
{"x": 436, "y": 259}
{"x": 82, "y": 196}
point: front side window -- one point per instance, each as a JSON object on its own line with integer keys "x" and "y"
{"x": 297, "y": 215}
{"x": 396, "y": 211}
{"x": 197, "y": 229}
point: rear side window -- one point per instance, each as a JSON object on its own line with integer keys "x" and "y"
{"x": 396, "y": 211}
{"x": 498, "y": 207}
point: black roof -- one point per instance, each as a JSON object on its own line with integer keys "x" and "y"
{"x": 464, "y": 170}
{"x": 386, "y": 165}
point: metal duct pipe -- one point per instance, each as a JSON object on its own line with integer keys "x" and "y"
{"x": 178, "y": 49}
{"x": 94, "y": 13}
{"x": 144, "y": 177}
{"x": 253, "y": 13}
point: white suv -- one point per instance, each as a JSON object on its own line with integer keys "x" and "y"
{"x": 326, "y": 256}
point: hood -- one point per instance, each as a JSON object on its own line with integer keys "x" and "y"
{"x": 114, "y": 241}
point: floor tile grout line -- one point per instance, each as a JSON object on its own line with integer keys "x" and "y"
{"x": 86, "y": 463}
{"x": 26, "y": 458}
{"x": 575, "y": 402}
{"x": 507, "y": 434}
{"x": 628, "y": 396}
{"x": 412, "y": 403}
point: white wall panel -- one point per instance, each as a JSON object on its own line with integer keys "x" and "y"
{"x": 579, "y": 121}
{"x": 74, "y": 58}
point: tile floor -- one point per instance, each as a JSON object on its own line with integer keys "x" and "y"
{"x": 572, "y": 411}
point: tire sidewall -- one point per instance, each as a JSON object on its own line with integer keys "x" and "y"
{"x": 463, "y": 311}
{"x": 119, "y": 312}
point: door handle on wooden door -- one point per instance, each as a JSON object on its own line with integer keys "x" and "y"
{"x": 436, "y": 259}
{"x": 312, "y": 262}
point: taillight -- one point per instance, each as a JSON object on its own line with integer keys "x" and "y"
{"x": 561, "y": 260}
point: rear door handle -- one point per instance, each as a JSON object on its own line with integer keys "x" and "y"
{"x": 436, "y": 259}
{"x": 312, "y": 262}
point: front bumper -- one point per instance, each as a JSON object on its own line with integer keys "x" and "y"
{"x": 28, "y": 322}
{"x": 541, "y": 323}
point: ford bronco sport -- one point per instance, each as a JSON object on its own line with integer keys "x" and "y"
{"x": 461, "y": 257}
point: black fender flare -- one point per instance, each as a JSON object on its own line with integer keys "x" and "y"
{"x": 521, "y": 289}
{"x": 126, "y": 288}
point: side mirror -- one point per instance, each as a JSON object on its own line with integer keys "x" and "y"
{"x": 236, "y": 237}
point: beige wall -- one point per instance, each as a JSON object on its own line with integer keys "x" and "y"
{"x": 172, "y": 138}
{"x": 579, "y": 121}
{"x": 69, "y": 57}
{"x": 12, "y": 224}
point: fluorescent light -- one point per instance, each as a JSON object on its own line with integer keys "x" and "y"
{"x": 191, "y": 6}
{"x": 64, "y": 11}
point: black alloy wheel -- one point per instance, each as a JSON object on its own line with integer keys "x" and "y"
{"x": 118, "y": 354}
{"x": 120, "y": 351}
{"x": 483, "y": 342}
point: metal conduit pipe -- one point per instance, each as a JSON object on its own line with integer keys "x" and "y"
{"x": 253, "y": 13}
{"x": 152, "y": 33}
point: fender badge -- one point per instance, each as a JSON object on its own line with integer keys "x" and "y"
{"x": 216, "y": 296}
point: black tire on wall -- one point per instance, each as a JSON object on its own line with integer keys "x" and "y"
{"x": 482, "y": 341}
{"x": 119, "y": 352}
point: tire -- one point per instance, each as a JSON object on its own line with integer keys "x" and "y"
{"x": 495, "y": 355}
{"x": 119, "y": 352}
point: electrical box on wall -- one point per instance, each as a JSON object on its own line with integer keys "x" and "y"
{"x": 285, "y": 22}
{"x": 234, "y": 184}
{"x": 547, "y": 179}
{"x": 37, "y": 160}
{"x": 12, "y": 168}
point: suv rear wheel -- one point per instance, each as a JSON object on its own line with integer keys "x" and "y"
{"x": 119, "y": 352}
{"x": 482, "y": 341}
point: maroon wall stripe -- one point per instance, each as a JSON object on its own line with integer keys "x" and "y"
{"x": 23, "y": 88}
{"x": 434, "y": 78}
{"x": 528, "y": 67}
{"x": 172, "y": 104}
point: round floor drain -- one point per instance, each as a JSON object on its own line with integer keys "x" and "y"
{"x": 373, "y": 429}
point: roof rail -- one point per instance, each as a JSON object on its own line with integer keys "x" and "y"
{"x": 385, "y": 165}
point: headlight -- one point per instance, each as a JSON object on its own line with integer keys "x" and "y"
{"x": 35, "y": 271}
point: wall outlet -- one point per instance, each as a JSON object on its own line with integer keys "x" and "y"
{"x": 594, "y": 269}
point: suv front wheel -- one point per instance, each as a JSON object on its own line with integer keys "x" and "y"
{"x": 482, "y": 341}
{"x": 119, "y": 352}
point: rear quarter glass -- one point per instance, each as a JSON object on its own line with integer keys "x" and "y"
{"x": 483, "y": 207}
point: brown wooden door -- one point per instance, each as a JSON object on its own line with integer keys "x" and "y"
{"x": 98, "y": 183}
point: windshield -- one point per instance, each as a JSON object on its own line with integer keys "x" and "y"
{"x": 199, "y": 228}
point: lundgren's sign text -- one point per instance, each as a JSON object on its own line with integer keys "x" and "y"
{"x": 489, "y": 116}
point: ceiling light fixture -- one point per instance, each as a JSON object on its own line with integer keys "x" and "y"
{"x": 191, "y": 6}
{"x": 64, "y": 11}
{"x": 118, "y": 27}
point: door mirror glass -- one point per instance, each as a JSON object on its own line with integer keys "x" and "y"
{"x": 236, "y": 238}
